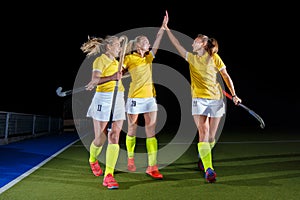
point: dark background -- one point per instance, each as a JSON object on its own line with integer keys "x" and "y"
{"x": 258, "y": 44}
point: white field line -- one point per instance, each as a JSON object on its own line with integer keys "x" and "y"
{"x": 237, "y": 142}
{"x": 242, "y": 142}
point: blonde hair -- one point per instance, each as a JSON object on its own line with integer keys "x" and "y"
{"x": 132, "y": 44}
{"x": 96, "y": 45}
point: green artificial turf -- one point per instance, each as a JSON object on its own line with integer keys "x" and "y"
{"x": 249, "y": 165}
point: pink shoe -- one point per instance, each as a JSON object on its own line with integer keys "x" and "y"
{"x": 153, "y": 172}
{"x": 97, "y": 171}
{"x": 110, "y": 182}
{"x": 131, "y": 166}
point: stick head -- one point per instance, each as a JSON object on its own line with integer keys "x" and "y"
{"x": 262, "y": 124}
{"x": 59, "y": 92}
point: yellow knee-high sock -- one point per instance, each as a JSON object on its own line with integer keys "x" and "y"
{"x": 211, "y": 144}
{"x": 112, "y": 154}
{"x": 94, "y": 152}
{"x": 130, "y": 145}
{"x": 151, "y": 144}
{"x": 205, "y": 154}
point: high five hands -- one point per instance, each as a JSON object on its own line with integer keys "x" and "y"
{"x": 165, "y": 22}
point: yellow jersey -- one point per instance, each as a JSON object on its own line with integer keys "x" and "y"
{"x": 140, "y": 69}
{"x": 107, "y": 67}
{"x": 204, "y": 72}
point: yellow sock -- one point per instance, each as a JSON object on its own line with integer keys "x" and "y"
{"x": 205, "y": 154}
{"x": 94, "y": 152}
{"x": 112, "y": 154}
{"x": 212, "y": 144}
{"x": 130, "y": 145}
{"x": 151, "y": 144}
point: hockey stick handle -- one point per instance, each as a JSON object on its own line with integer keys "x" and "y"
{"x": 240, "y": 104}
{"x": 122, "y": 55}
{"x": 230, "y": 97}
{"x": 227, "y": 95}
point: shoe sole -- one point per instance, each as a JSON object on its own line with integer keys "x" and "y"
{"x": 98, "y": 175}
{"x": 111, "y": 187}
{"x": 212, "y": 181}
{"x": 156, "y": 178}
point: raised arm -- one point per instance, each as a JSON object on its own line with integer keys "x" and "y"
{"x": 158, "y": 38}
{"x": 182, "y": 51}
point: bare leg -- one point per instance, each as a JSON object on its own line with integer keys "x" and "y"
{"x": 132, "y": 124}
{"x": 114, "y": 135}
{"x": 202, "y": 123}
{"x": 150, "y": 123}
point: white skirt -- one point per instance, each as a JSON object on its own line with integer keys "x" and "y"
{"x": 101, "y": 106}
{"x": 208, "y": 107}
{"x": 141, "y": 105}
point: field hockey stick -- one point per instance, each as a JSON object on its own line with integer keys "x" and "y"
{"x": 121, "y": 60}
{"x": 256, "y": 116}
{"x": 61, "y": 93}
